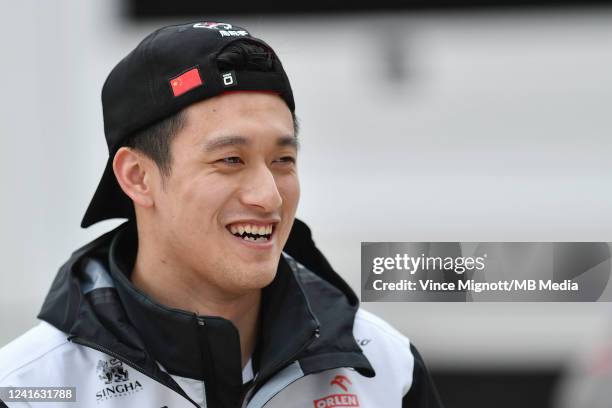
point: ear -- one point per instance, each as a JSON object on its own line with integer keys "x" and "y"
{"x": 134, "y": 174}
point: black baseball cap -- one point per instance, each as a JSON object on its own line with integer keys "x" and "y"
{"x": 172, "y": 68}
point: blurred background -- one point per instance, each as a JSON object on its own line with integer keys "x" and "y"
{"x": 430, "y": 121}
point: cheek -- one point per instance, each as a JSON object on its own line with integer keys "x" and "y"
{"x": 197, "y": 203}
{"x": 289, "y": 189}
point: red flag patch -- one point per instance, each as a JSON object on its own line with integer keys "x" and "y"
{"x": 185, "y": 82}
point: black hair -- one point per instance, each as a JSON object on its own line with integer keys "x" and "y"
{"x": 154, "y": 141}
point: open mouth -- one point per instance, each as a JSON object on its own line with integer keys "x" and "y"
{"x": 252, "y": 232}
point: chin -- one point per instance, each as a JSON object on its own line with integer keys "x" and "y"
{"x": 241, "y": 278}
{"x": 261, "y": 280}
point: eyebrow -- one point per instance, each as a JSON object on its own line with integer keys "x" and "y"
{"x": 225, "y": 141}
{"x": 288, "y": 141}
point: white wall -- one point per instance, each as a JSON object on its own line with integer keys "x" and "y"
{"x": 429, "y": 127}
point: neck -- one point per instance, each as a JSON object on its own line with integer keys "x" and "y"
{"x": 181, "y": 288}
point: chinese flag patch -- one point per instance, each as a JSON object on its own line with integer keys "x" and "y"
{"x": 185, "y": 82}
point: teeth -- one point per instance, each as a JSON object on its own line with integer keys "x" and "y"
{"x": 259, "y": 239}
{"x": 240, "y": 229}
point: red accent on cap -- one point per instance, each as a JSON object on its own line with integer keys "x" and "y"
{"x": 185, "y": 82}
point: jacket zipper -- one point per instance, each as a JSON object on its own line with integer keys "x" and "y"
{"x": 257, "y": 381}
{"x": 78, "y": 340}
{"x": 205, "y": 368}
{"x": 311, "y": 339}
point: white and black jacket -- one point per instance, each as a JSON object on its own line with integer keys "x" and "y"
{"x": 120, "y": 348}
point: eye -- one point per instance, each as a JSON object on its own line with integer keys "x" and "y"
{"x": 286, "y": 159}
{"x": 232, "y": 161}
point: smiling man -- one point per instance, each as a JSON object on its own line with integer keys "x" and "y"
{"x": 212, "y": 294}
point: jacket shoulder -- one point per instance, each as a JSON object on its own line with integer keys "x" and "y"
{"x": 368, "y": 323}
{"x": 388, "y": 350}
{"x": 394, "y": 356}
{"x": 30, "y": 348}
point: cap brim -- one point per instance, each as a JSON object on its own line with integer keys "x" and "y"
{"x": 109, "y": 200}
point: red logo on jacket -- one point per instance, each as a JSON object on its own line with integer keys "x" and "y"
{"x": 338, "y": 400}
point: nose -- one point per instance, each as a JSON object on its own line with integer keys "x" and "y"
{"x": 261, "y": 190}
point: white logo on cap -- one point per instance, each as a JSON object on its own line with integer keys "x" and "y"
{"x": 233, "y": 33}
{"x": 213, "y": 26}
{"x": 228, "y": 78}
{"x": 224, "y": 29}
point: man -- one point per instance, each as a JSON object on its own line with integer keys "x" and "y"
{"x": 192, "y": 301}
